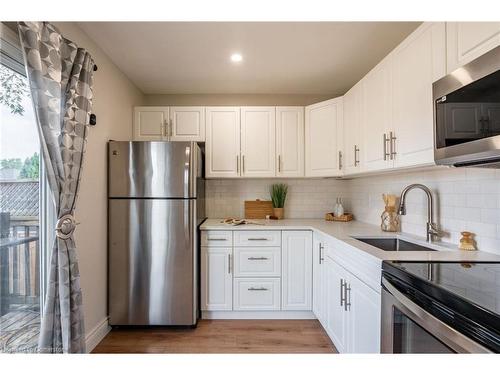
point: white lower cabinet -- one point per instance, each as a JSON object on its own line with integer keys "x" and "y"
{"x": 217, "y": 278}
{"x": 261, "y": 271}
{"x": 348, "y": 309}
{"x": 256, "y": 294}
{"x": 297, "y": 270}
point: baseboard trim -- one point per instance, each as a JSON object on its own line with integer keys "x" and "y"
{"x": 257, "y": 315}
{"x": 96, "y": 335}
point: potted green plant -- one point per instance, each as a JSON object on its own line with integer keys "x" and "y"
{"x": 278, "y": 196}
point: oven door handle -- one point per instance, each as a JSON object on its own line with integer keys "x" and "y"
{"x": 448, "y": 336}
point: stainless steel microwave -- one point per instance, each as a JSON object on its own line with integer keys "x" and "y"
{"x": 467, "y": 114}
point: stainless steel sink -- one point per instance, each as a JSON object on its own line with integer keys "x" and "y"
{"x": 393, "y": 244}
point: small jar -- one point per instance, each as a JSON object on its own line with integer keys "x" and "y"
{"x": 390, "y": 220}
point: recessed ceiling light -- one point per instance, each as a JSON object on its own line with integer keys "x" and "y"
{"x": 236, "y": 57}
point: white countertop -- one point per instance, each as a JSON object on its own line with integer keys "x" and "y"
{"x": 345, "y": 231}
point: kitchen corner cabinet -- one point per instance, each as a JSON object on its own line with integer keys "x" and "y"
{"x": 290, "y": 141}
{"x": 217, "y": 278}
{"x": 222, "y": 142}
{"x": 324, "y": 138}
{"x": 169, "y": 124}
{"x": 187, "y": 124}
{"x": 150, "y": 123}
{"x": 465, "y": 41}
{"x": 258, "y": 141}
{"x": 297, "y": 270}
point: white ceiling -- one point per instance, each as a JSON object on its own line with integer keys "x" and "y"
{"x": 279, "y": 57}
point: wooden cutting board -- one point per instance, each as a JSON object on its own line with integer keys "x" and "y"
{"x": 258, "y": 209}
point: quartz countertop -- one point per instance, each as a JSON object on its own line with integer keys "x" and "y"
{"x": 346, "y": 231}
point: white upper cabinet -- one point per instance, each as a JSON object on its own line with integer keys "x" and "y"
{"x": 297, "y": 270}
{"x": 222, "y": 142}
{"x": 150, "y": 123}
{"x": 417, "y": 63}
{"x": 258, "y": 141}
{"x": 466, "y": 41}
{"x": 290, "y": 141}
{"x": 187, "y": 124}
{"x": 353, "y": 118}
{"x": 377, "y": 118}
{"x": 323, "y": 138}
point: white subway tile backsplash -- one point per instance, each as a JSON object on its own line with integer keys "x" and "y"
{"x": 465, "y": 199}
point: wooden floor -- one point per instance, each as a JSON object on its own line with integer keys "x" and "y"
{"x": 222, "y": 336}
{"x": 19, "y": 330}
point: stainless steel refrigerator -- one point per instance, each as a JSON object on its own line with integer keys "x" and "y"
{"x": 155, "y": 205}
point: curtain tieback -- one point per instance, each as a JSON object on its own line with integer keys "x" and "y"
{"x": 65, "y": 226}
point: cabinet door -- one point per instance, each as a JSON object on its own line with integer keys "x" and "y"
{"x": 364, "y": 317}
{"x": 150, "y": 123}
{"x": 335, "y": 308}
{"x": 466, "y": 41}
{"x": 417, "y": 63}
{"x": 353, "y": 115}
{"x": 216, "y": 279}
{"x": 296, "y": 270}
{"x": 323, "y": 138}
{"x": 319, "y": 280}
{"x": 258, "y": 141}
{"x": 377, "y": 102}
{"x": 290, "y": 141}
{"x": 222, "y": 157}
{"x": 187, "y": 124}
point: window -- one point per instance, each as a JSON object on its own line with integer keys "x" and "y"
{"x": 22, "y": 203}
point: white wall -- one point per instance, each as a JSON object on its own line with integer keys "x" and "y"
{"x": 465, "y": 199}
{"x": 114, "y": 97}
{"x": 307, "y": 198}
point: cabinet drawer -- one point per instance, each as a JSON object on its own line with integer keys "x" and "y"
{"x": 257, "y": 261}
{"x": 257, "y": 294}
{"x": 219, "y": 238}
{"x": 257, "y": 238}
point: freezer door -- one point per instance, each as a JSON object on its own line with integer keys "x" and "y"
{"x": 153, "y": 169}
{"x": 152, "y": 262}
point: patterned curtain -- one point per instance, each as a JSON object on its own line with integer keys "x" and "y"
{"x": 60, "y": 78}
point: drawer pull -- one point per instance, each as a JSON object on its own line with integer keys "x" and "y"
{"x": 217, "y": 239}
{"x": 258, "y": 258}
{"x": 257, "y": 289}
{"x": 258, "y": 239}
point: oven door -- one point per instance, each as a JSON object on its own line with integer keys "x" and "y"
{"x": 408, "y": 328}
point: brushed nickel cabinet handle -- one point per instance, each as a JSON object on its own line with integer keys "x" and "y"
{"x": 229, "y": 264}
{"x": 385, "y": 140}
{"x": 340, "y": 160}
{"x": 243, "y": 164}
{"x": 320, "y": 253}
{"x": 392, "y": 139}
{"x": 257, "y": 289}
{"x": 341, "y": 292}
{"x": 356, "y": 151}
{"x": 258, "y": 258}
{"x": 347, "y": 296}
{"x": 217, "y": 239}
{"x": 279, "y": 163}
{"x": 237, "y": 164}
{"x": 258, "y": 239}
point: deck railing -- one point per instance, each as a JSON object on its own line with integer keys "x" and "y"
{"x": 20, "y": 267}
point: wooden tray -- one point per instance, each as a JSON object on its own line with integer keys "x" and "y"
{"x": 258, "y": 209}
{"x": 345, "y": 217}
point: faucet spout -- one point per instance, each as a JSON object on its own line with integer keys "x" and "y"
{"x": 431, "y": 229}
